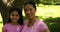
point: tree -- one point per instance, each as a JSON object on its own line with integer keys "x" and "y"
{"x": 4, "y": 9}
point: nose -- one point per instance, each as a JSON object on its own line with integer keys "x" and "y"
{"x": 28, "y": 12}
{"x": 14, "y": 16}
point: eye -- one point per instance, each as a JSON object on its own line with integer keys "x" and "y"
{"x": 12, "y": 14}
{"x": 25, "y": 9}
{"x": 17, "y": 15}
{"x": 30, "y": 9}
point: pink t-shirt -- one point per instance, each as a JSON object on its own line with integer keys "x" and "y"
{"x": 39, "y": 26}
{"x": 12, "y": 28}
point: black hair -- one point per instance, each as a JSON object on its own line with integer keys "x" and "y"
{"x": 30, "y": 2}
{"x": 0, "y": 9}
{"x": 20, "y": 21}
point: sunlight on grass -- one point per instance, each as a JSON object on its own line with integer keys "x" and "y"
{"x": 48, "y": 11}
{"x": 0, "y": 18}
{"x": 1, "y": 25}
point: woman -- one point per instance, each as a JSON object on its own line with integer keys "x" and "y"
{"x": 15, "y": 22}
{"x": 32, "y": 24}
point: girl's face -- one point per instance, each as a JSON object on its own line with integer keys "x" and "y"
{"x": 14, "y": 16}
{"x": 29, "y": 11}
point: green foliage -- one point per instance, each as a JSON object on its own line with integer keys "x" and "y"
{"x": 24, "y": 17}
{"x": 50, "y": 19}
{"x": 1, "y": 25}
{"x": 37, "y": 1}
{"x": 53, "y": 24}
{"x": 54, "y": 27}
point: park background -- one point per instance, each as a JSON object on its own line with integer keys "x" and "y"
{"x": 47, "y": 11}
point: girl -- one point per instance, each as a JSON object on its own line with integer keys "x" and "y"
{"x": 32, "y": 24}
{"x": 15, "y": 22}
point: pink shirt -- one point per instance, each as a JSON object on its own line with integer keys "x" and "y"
{"x": 12, "y": 28}
{"x": 39, "y": 26}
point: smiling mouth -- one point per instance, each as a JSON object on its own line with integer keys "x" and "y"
{"x": 14, "y": 19}
{"x": 28, "y": 15}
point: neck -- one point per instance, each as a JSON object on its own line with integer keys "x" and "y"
{"x": 33, "y": 19}
{"x": 31, "y": 22}
{"x": 14, "y": 23}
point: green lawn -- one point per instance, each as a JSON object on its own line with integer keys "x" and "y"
{"x": 1, "y": 24}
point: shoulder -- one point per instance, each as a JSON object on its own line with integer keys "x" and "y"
{"x": 25, "y": 21}
{"x": 6, "y": 25}
{"x": 42, "y": 25}
{"x": 41, "y": 22}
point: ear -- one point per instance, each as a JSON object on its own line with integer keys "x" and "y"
{"x": 35, "y": 10}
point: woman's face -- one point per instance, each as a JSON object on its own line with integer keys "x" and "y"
{"x": 29, "y": 11}
{"x": 14, "y": 16}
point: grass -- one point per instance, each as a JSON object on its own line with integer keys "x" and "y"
{"x": 1, "y": 24}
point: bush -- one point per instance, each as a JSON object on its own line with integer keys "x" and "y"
{"x": 50, "y": 19}
{"x": 54, "y": 27}
{"x": 53, "y": 24}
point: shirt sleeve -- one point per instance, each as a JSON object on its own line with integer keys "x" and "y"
{"x": 42, "y": 26}
{"x": 4, "y": 28}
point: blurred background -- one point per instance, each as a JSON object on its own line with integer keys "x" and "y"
{"x": 47, "y": 11}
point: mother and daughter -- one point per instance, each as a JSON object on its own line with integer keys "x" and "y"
{"x": 32, "y": 24}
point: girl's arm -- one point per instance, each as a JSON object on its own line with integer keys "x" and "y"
{"x": 4, "y": 31}
{"x": 4, "y": 28}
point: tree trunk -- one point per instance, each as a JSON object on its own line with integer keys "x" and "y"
{"x": 4, "y": 9}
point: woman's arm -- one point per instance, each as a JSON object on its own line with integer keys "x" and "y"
{"x": 46, "y": 30}
{"x": 43, "y": 27}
